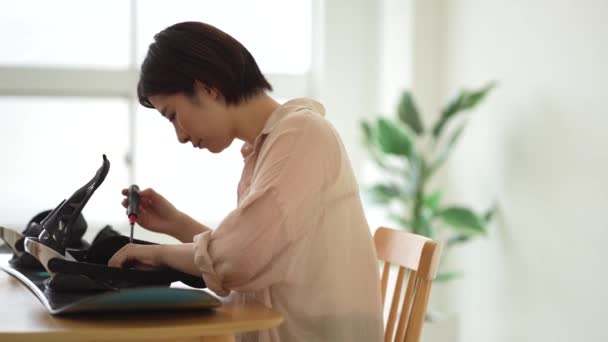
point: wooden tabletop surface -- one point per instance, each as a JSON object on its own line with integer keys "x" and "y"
{"x": 24, "y": 318}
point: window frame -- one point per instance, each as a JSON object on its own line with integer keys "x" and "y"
{"x": 121, "y": 83}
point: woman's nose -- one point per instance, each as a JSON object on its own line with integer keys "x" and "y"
{"x": 181, "y": 136}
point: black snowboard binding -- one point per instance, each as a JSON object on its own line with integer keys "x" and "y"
{"x": 84, "y": 268}
{"x": 90, "y": 270}
{"x": 59, "y": 228}
{"x": 15, "y": 240}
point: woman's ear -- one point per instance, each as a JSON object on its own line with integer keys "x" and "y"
{"x": 213, "y": 93}
{"x": 209, "y": 91}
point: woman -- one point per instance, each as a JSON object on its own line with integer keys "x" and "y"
{"x": 298, "y": 240}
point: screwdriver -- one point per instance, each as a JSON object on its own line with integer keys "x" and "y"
{"x": 133, "y": 203}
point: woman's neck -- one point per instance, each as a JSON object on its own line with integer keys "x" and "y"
{"x": 251, "y": 116}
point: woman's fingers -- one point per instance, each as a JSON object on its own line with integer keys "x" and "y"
{"x": 143, "y": 267}
{"x": 121, "y": 257}
{"x": 145, "y": 197}
{"x": 134, "y": 255}
{"x": 148, "y": 191}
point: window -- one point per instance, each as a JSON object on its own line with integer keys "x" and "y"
{"x": 65, "y": 33}
{"x": 67, "y": 80}
{"x": 52, "y": 146}
{"x": 285, "y": 50}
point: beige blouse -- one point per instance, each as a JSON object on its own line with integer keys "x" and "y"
{"x": 298, "y": 240}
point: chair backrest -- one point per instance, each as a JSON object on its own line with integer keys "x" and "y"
{"x": 418, "y": 259}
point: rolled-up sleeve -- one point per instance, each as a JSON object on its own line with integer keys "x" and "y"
{"x": 239, "y": 254}
{"x": 250, "y": 249}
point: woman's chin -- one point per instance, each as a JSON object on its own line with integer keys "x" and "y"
{"x": 214, "y": 149}
{"x": 219, "y": 147}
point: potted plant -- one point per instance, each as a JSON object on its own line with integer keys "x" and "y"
{"x": 408, "y": 155}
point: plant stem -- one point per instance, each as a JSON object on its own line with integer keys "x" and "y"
{"x": 417, "y": 212}
{"x": 419, "y": 225}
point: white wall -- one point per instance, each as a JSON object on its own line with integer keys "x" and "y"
{"x": 346, "y": 66}
{"x": 537, "y": 145}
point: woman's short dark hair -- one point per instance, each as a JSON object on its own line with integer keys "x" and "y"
{"x": 191, "y": 51}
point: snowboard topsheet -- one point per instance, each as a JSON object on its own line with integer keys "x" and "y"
{"x": 137, "y": 299}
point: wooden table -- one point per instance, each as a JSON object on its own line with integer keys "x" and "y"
{"x": 23, "y": 318}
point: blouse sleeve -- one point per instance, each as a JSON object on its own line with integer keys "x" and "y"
{"x": 250, "y": 249}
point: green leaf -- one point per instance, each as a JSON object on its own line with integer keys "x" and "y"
{"x": 432, "y": 201}
{"x": 458, "y": 239}
{"x": 489, "y": 215}
{"x": 446, "y": 150}
{"x": 462, "y": 219}
{"x": 422, "y": 226}
{"x": 376, "y": 155}
{"x": 429, "y": 204}
{"x": 448, "y": 276}
{"x": 476, "y": 96}
{"x": 383, "y": 193}
{"x": 408, "y": 113}
{"x": 366, "y": 128}
{"x": 465, "y": 100}
{"x": 453, "y": 107}
{"x": 392, "y": 138}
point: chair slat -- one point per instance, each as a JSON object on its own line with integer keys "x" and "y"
{"x": 392, "y": 316}
{"x": 414, "y": 328}
{"x": 406, "y": 306}
{"x": 384, "y": 282}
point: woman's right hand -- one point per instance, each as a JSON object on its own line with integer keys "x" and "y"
{"x": 155, "y": 213}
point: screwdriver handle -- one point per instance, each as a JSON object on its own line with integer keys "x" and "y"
{"x": 132, "y": 201}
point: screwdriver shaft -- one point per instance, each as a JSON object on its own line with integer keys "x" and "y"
{"x": 133, "y": 204}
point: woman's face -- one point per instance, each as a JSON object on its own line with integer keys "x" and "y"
{"x": 202, "y": 119}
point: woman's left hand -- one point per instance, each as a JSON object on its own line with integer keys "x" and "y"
{"x": 138, "y": 256}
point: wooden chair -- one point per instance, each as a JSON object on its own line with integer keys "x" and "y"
{"x": 417, "y": 256}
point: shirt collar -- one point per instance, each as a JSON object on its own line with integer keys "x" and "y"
{"x": 276, "y": 116}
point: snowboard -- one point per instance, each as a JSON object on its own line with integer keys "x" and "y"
{"x": 137, "y": 299}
